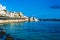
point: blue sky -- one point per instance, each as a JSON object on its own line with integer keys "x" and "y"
{"x": 37, "y": 8}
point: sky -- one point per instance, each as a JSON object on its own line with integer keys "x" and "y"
{"x": 35, "y": 8}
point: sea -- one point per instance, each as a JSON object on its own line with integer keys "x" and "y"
{"x": 43, "y": 30}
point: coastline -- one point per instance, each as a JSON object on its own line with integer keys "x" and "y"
{"x": 7, "y": 16}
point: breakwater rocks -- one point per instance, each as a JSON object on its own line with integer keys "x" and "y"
{"x": 5, "y": 36}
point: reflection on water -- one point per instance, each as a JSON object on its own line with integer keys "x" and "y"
{"x": 33, "y": 30}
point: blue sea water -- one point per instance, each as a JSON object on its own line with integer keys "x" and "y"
{"x": 43, "y": 30}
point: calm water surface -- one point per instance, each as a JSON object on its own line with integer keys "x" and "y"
{"x": 33, "y": 30}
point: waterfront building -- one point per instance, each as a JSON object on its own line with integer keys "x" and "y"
{"x": 2, "y": 7}
{"x": 21, "y": 14}
{"x": 2, "y": 13}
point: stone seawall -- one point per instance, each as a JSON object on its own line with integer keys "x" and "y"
{"x": 6, "y": 21}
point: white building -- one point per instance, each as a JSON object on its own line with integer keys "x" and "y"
{"x": 2, "y": 13}
{"x": 11, "y": 15}
{"x": 16, "y": 15}
{"x": 2, "y": 10}
{"x": 2, "y": 7}
{"x": 21, "y": 14}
